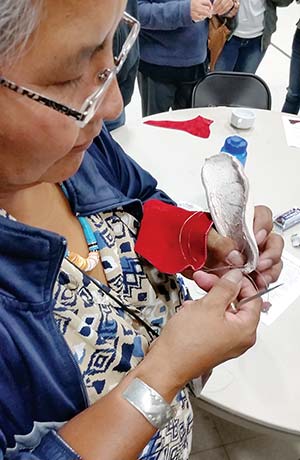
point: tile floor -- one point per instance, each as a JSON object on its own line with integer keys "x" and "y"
{"x": 215, "y": 438}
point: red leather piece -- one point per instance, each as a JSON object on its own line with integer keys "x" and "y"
{"x": 172, "y": 238}
{"x": 198, "y": 126}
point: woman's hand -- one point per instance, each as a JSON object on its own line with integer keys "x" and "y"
{"x": 270, "y": 247}
{"x": 234, "y": 10}
{"x": 222, "y": 7}
{"x": 204, "y": 333}
{"x": 222, "y": 252}
{"x": 200, "y": 9}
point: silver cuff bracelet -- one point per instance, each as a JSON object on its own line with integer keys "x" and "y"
{"x": 147, "y": 401}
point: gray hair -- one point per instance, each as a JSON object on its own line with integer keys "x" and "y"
{"x": 18, "y": 19}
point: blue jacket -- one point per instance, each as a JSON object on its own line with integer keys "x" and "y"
{"x": 40, "y": 383}
{"x": 168, "y": 35}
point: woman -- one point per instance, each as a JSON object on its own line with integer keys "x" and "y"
{"x": 292, "y": 100}
{"x": 78, "y": 358}
{"x": 246, "y": 47}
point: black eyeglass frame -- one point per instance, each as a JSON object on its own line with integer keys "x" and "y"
{"x": 91, "y": 104}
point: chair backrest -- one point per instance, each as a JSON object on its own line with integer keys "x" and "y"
{"x": 232, "y": 89}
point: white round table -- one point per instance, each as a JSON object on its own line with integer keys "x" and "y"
{"x": 261, "y": 389}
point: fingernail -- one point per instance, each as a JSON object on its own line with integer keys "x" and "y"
{"x": 235, "y": 258}
{"x": 261, "y": 236}
{"x": 264, "y": 264}
{"x": 234, "y": 275}
{"x": 266, "y": 307}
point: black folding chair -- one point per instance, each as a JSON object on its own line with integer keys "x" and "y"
{"x": 232, "y": 89}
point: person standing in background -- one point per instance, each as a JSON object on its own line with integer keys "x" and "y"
{"x": 246, "y": 47}
{"x": 173, "y": 49}
{"x": 292, "y": 100}
{"x": 126, "y": 77}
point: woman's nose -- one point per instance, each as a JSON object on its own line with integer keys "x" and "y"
{"x": 112, "y": 104}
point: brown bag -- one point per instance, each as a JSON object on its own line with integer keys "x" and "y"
{"x": 218, "y": 32}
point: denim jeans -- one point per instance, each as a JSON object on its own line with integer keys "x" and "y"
{"x": 292, "y": 101}
{"x": 241, "y": 55}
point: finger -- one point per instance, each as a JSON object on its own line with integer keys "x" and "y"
{"x": 223, "y": 249}
{"x": 263, "y": 279}
{"x": 203, "y": 13}
{"x": 250, "y": 312}
{"x": 234, "y": 11}
{"x": 205, "y": 280}
{"x": 217, "y": 4}
{"x": 247, "y": 289}
{"x": 223, "y": 6}
{"x": 206, "y": 4}
{"x": 272, "y": 252}
{"x": 252, "y": 307}
{"x": 204, "y": 7}
{"x": 225, "y": 290}
{"x": 263, "y": 223}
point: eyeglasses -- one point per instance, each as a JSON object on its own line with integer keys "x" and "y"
{"x": 91, "y": 104}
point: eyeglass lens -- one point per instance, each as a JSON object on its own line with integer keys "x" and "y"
{"x": 92, "y": 104}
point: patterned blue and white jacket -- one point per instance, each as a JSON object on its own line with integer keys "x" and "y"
{"x": 40, "y": 384}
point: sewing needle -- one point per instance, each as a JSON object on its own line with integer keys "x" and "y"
{"x": 258, "y": 294}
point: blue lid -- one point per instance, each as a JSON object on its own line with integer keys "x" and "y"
{"x": 235, "y": 145}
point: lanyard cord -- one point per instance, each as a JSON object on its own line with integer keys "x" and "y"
{"x": 152, "y": 332}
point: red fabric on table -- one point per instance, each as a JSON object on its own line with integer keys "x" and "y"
{"x": 172, "y": 238}
{"x": 198, "y": 126}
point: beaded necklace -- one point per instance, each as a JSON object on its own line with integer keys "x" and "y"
{"x": 86, "y": 264}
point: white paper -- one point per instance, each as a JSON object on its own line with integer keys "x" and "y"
{"x": 292, "y": 130}
{"x": 285, "y": 295}
{"x": 281, "y": 298}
